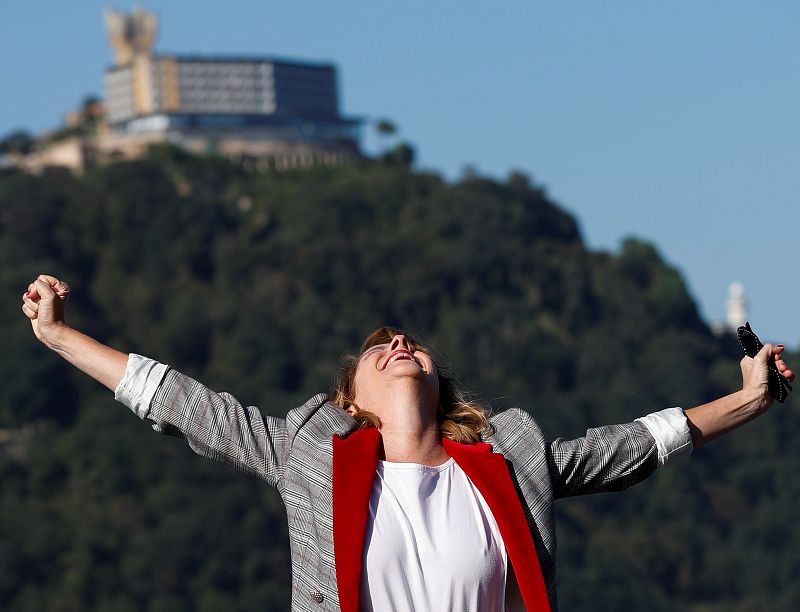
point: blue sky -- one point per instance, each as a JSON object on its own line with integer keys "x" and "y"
{"x": 674, "y": 122}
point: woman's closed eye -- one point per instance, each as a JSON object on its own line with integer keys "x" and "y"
{"x": 376, "y": 348}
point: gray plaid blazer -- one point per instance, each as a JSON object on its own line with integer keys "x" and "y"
{"x": 295, "y": 455}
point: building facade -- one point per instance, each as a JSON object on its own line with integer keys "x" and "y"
{"x": 265, "y": 111}
{"x": 263, "y": 108}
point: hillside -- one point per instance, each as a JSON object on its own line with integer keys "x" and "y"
{"x": 256, "y": 283}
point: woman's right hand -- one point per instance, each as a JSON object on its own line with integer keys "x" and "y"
{"x": 44, "y": 304}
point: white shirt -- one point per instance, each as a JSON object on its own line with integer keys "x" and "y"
{"x": 431, "y": 543}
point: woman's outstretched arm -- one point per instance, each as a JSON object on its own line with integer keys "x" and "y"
{"x": 614, "y": 457}
{"x": 216, "y": 425}
{"x": 716, "y": 418}
{"x": 44, "y": 305}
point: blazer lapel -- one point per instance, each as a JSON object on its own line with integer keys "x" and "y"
{"x": 355, "y": 459}
{"x": 488, "y": 471}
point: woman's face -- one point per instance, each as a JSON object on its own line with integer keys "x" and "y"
{"x": 384, "y": 368}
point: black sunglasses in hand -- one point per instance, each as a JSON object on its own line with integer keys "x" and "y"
{"x": 777, "y": 384}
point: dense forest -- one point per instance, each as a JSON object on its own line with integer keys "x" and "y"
{"x": 256, "y": 283}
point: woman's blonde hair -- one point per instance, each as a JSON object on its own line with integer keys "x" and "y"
{"x": 461, "y": 417}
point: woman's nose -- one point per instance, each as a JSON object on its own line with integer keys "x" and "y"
{"x": 399, "y": 342}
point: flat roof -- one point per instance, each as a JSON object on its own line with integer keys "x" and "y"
{"x": 238, "y": 59}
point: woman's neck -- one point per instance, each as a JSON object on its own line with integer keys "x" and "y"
{"x": 409, "y": 429}
{"x": 412, "y": 447}
{"x": 410, "y": 433}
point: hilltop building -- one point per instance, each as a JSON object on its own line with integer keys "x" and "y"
{"x": 264, "y": 111}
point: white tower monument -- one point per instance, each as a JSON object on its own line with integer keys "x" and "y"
{"x": 736, "y": 306}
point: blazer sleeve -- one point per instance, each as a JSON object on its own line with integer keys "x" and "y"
{"x": 216, "y": 425}
{"x": 609, "y": 458}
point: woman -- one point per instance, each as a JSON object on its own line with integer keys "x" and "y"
{"x": 400, "y": 493}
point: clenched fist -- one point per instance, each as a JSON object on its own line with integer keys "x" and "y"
{"x": 755, "y": 375}
{"x": 44, "y": 304}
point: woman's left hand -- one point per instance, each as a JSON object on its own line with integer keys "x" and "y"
{"x": 755, "y": 373}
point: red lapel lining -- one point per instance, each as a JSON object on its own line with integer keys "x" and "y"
{"x": 355, "y": 459}
{"x": 488, "y": 471}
